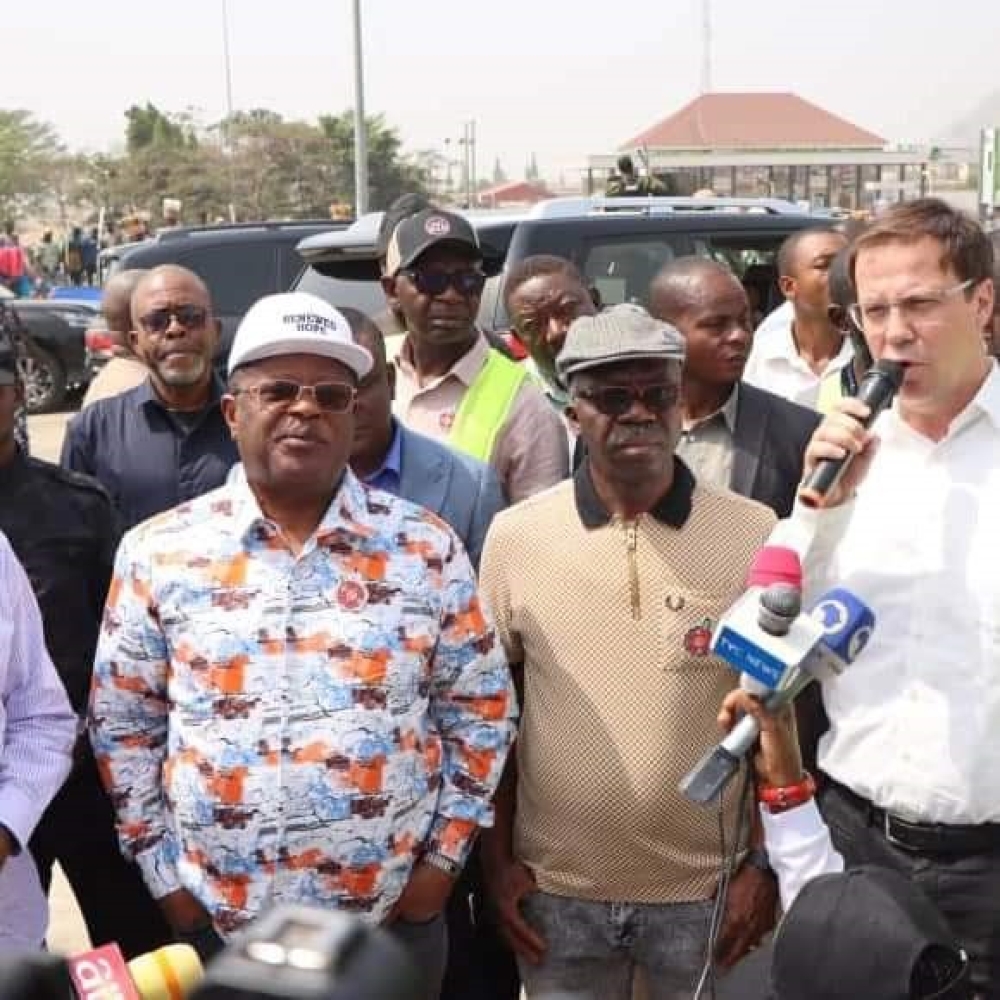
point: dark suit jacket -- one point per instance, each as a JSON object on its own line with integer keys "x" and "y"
{"x": 461, "y": 491}
{"x": 770, "y": 440}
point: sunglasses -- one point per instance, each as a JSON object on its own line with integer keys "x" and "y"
{"x": 333, "y": 397}
{"x": 158, "y": 321}
{"x": 617, "y": 400}
{"x": 435, "y": 283}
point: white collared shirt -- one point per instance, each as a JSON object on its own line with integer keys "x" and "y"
{"x": 776, "y": 365}
{"x": 915, "y": 721}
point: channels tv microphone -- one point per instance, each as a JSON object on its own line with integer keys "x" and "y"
{"x": 846, "y": 623}
{"x": 877, "y": 389}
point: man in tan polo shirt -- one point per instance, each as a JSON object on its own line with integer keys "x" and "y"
{"x": 605, "y": 591}
{"x": 452, "y": 385}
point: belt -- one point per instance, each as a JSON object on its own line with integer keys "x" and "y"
{"x": 923, "y": 838}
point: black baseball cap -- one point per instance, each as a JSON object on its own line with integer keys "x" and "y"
{"x": 402, "y": 208}
{"x": 868, "y": 933}
{"x": 434, "y": 227}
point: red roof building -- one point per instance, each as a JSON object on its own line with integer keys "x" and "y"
{"x": 512, "y": 193}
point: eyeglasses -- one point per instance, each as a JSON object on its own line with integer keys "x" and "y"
{"x": 333, "y": 397}
{"x": 617, "y": 400}
{"x": 923, "y": 308}
{"x": 435, "y": 283}
{"x": 158, "y": 321}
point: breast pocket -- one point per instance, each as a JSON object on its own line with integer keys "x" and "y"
{"x": 688, "y": 620}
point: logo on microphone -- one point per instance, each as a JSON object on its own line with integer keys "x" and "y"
{"x": 857, "y": 642}
{"x": 833, "y": 616}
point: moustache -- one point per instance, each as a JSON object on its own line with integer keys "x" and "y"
{"x": 636, "y": 434}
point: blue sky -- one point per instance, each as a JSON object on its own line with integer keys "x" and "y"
{"x": 560, "y": 78}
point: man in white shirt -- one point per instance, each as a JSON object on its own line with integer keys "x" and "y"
{"x": 912, "y": 759}
{"x": 791, "y": 359}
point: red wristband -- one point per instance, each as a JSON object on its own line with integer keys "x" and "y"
{"x": 778, "y": 799}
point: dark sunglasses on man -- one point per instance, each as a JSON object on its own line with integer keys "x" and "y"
{"x": 434, "y": 283}
{"x": 333, "y": 397}
{"x": 158, "y": 320}
{"x": 617, "y": 400}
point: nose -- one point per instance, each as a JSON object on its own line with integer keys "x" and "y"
{"x": 739, "y": 334}
{"x": 897, "y": 327}
{"x": 451, "y": 294}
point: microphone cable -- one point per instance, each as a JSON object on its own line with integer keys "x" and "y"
{"x": 726, "y": 871}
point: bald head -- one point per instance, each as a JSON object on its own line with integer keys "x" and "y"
{"x": 685, "y": 283}
{"x": 163, "y": 276}
{"x": 366, "y": 333}
{"x": 116, "y": 304}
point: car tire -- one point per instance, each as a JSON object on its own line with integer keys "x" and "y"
{"x": 44, "y": 379}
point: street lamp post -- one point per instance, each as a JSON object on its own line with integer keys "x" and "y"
{"x": 360, "y": 131}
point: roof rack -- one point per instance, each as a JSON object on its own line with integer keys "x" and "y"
{"x": 228, "y": 227}
{"x": 565, "y": 208}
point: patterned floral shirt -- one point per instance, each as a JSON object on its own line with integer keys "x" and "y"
{"x": 281, "y": 728}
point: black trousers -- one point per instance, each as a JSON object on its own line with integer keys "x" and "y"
{"x": 480, "y": 965}
{"x": 965, "y": 889}
{"x": 78, "y": 831}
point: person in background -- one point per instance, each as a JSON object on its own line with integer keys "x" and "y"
{"x": 166, "y": 440}
{"x": 48, "y": 257}
{"x": 461, "y": 491}
{"x": 124, "y": 370}
{"x": 791, "y": 361}
{"x": 734, "y": 436}
{"x": 543, "y": 294}
{"x": 910, "y": 763}
{"x": 64, "y": 530}
{"x": 451, "y": 384}
{"x": 73, "y": 257}
{"x": 628, "y": 183}
{"x": 37, "y": 733}
{"x": 91, "y": 248}
{"x": 466, "y": 494}
{"x": 599, "y": 866}
{"x": 298, "y": 696}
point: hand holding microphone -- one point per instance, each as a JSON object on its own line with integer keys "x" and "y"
{"x": 841, "y": 451}
{"x": 778, "y": 761}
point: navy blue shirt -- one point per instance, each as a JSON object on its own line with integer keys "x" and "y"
{"x": 146, "y": 458}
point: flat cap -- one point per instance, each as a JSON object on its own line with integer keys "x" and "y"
{"x": 624, "y": 332}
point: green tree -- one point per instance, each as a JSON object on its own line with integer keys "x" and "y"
{"x": 149, "y": 127}
{"x": 29, "y": 149}
{"x": 390, "y": 173}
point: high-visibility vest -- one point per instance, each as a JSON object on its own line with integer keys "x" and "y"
{"x": 486, "y": 406}
{"x": 835, "y": 386}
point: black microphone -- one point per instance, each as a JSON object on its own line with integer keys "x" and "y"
{"x": 880, "y": 384}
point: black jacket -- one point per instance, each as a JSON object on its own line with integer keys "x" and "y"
{"x": 769, "y": 442}
{"x": 65, "y": 531}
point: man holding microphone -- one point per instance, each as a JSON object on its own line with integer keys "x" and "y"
{"x": 911, "y": 763}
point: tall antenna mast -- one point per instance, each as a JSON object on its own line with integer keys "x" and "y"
{"x": 706, "y": 46}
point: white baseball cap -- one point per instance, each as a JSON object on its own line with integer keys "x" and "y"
{"x": 297, "y": 323}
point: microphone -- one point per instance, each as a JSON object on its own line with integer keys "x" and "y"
{"x": 877, "y": 389}
{"x": 101, "y": 972}
{"x": 846, "y": 625}
{"x": 169, "y": 973}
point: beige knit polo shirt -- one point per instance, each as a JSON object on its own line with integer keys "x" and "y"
{"x": 612, "y": 622}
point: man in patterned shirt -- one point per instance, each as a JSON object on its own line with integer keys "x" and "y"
{"x": 297, "y": 696}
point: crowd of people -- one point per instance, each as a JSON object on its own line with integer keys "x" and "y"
{"x": 429, "y": 641}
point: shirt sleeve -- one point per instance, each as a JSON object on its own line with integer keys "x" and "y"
{"x": 39, "y": 725}
{"x": 799, "y": 847}
{"x": 129, "y": 718}
{"x": 532, "y": 449}
{"x": 474, "y": 707}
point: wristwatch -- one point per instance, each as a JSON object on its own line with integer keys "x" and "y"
{"x": 443, "y": 863}
{"x": 757, "y": 858}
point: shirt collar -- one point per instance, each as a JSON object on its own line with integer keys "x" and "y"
{"x": 673, "y": 508}
{"x": 728, "y": 411}
{"x": 347, "y": 513}
{"x": 779, "y": 344}
{"x": 392, "y": 463}
{"x": 146, "y": 394}
{"x": 466, "y": 369}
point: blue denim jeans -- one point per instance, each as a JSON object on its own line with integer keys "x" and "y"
{"x": 595, "y": 949}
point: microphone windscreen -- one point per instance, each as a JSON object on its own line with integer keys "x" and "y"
{"x": 169, "y": 973}
{"x": 775, "y": 564}
{"x": 847, "y": 623}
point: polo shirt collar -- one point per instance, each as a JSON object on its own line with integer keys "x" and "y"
{"x": 727, "y": 411}
{"x": 392, "y": 463}
{"x": 466, "y": 369}
{"x": 672, "y": 509}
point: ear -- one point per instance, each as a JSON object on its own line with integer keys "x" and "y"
{"x": 787, "y": 285}
{"x": 985, "y": 302}
{"x": 572, "y": 418}
{"x": 388, "y": 282}
{"x": 228, "y": 404}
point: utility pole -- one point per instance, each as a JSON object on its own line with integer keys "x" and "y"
{"x": 468, "y": 142}
{"x": 360, "y": 129}
{"x": 228, "y": 136}
{"x": 706, "y": 46}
